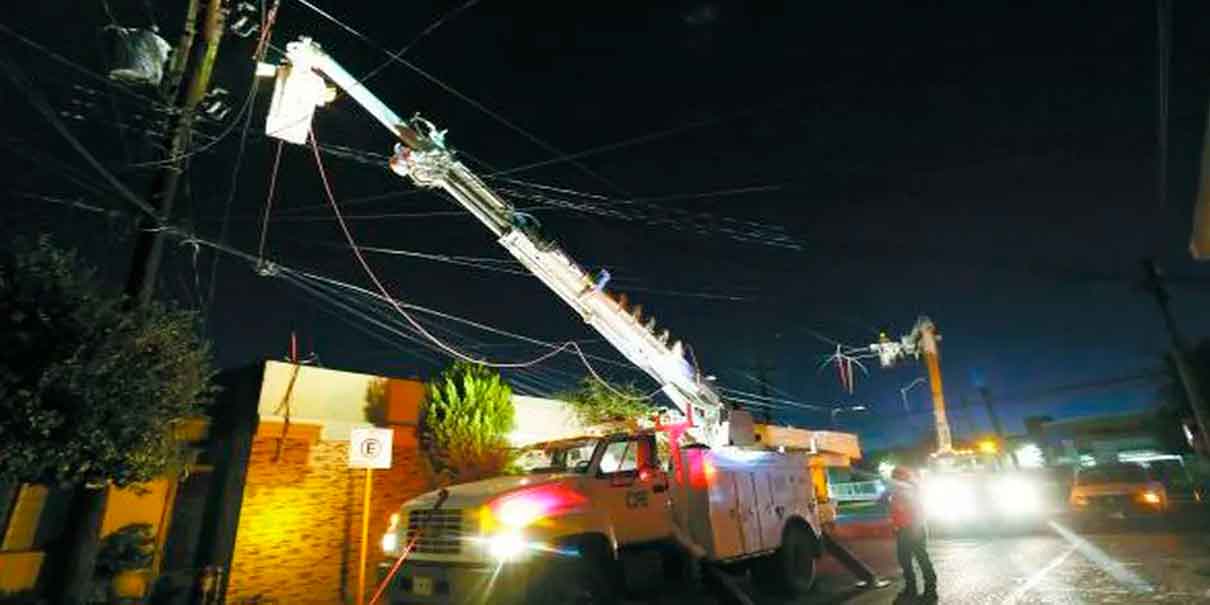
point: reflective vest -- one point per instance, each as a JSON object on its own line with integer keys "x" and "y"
{"x": 905, "y": 509}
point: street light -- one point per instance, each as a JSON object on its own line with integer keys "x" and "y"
{"x": 852, "y": 408}
{"x": 904, "y": 391}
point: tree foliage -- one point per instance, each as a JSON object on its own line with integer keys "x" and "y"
{"x": 89, "y": 393}
{"x": 595, "y": 402}
{"x": 465, "y": 420}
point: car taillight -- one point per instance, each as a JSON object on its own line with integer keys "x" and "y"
{"x": 525, "y": 507}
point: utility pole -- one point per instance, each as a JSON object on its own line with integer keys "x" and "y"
{"x": 149, "y": 247}
{"x": 1153, "y": 282}
{"x": 78, "y": 550}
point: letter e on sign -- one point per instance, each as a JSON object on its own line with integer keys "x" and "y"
{"x": 370, "y": 448}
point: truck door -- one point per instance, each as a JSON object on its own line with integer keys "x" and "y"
{"x": 776, "y": 500}
{"x": 748, "y": 503}
{"x": 630, "y": 484}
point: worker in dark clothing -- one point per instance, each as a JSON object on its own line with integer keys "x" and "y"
{"x": 911, "y": 536}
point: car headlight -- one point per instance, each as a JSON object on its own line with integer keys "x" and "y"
{"x": 506, "y": 546}
{"x": 1150, "y": 497}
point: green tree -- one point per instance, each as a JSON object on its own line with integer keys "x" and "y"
{"x": 595, "y": 402}
{"x": 89, "y": 392}
{"x": 465, "y": 420}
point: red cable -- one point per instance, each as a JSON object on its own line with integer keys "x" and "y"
{"x": 395, "y": 568}
{"x": 264, "y": 227}
{"x": 395, "y": 304}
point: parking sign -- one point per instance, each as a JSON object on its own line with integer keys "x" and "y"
{"x": 370, "y": 448}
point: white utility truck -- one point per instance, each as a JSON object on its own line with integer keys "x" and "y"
{"x": 592, "y": 511}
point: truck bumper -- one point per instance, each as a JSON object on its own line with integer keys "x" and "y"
{"x": 456, "y": 584}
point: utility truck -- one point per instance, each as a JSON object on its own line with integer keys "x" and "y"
{"x": 964, "y": 488}
{"x": 593, "y": 511}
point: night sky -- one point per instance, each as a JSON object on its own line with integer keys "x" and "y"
{"x": 990, "y": 165}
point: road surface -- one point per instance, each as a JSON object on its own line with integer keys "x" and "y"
{"x": 1054, "y": 565}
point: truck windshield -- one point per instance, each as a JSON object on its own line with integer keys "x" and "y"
{"x": 1116, "y": 473}
{"x": 561, "y": 457}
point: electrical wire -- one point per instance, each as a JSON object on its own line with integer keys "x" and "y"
{"x": 458, "y": 94}
{"x": 818, "y": 407}
{"x": 35, "y": 98}
{"x": 234, "y": 187}
{"x": 369, "y": 271}
{"x": 80, "y": 68}
{"x": 424, "y": 33}
{"x": 264, "y": 226}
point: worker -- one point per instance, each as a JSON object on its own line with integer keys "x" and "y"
{"x": 911, "y": 536}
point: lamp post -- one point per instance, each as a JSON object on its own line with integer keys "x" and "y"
{"x": 852, "y": 408}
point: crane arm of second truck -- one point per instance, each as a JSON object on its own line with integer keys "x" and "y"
{"x": 423, "y": 157}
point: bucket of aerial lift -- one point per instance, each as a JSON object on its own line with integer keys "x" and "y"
{"x": 297, "y": 92}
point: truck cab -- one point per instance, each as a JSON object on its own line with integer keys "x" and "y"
{"x": 574, "y": 504}
{"x": 584, "y": 512}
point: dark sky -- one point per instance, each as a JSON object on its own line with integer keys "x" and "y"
{"x": 991, "y": 165}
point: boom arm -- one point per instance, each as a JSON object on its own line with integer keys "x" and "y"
{"x": 922, "y": 341}
{"x": 423, "y": 158}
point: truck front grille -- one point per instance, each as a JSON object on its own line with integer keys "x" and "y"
{"x": 443, "y": 530}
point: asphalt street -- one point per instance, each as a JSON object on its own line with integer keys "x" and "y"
{"x": 1054, "y": 565}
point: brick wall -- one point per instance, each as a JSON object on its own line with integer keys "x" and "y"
{"x": 299, "y": 525}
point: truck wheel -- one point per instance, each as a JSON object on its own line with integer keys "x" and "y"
{"x": 791, "y": 569}
{"x": 586, "y": 579}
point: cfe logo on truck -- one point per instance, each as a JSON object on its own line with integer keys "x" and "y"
{"x": 370, "y": 448}
{"x": 636, "y": 499}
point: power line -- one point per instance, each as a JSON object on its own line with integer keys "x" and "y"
{"x": 35, "y": 98}
{"x": 369, "y": 271}
{"x": 79, "y": 68}
{"x": 403, "y": 50}
{"x": 456, "y": 93}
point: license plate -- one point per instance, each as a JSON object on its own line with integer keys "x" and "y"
{"x": 422, "y": 586}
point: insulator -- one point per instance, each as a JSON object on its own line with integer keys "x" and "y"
{"x": 637, "y": 312}
{"x": 623, "y": 301}
{"x": 650, "y": 325}
{"x": 246, "y": 20}
{"x": 216, "y": 104}
{"x": 664, "y": 336}
{"x": 678, "y": 349}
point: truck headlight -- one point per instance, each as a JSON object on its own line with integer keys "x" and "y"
{"x": 1150, "y": 497}
{"x": 949, "y": 500}
{"x": 390, "y": 540}
{"x": 506, "y": 546}
{"x": 1016, "y": 496}
{"x": 390, "y": 543}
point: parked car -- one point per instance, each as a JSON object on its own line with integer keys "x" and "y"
{"x": 1179, "y": 484}
{"x": 1117, "y": 491}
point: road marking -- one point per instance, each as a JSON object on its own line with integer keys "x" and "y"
{"x": 1038, "y": 576}
{"x": 1101, "y": 559}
